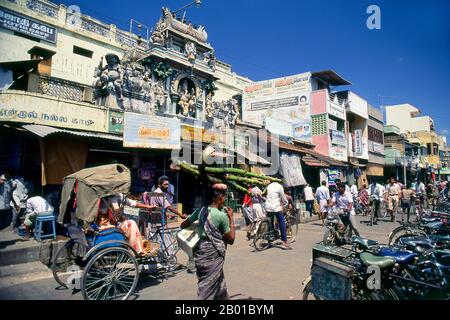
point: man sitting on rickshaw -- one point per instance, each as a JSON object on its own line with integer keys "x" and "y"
{"x": 110, "y": 216}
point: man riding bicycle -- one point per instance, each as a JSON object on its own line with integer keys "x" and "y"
{"x": 276, "y": 203}
{"x": 344, "y": 200}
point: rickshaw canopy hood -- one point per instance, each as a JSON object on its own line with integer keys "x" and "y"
{"x": 93, "y": 184}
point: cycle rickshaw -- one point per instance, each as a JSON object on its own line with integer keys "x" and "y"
{"x": 102, "y": 264}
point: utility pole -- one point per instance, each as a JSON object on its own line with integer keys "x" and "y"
{"x": 404, "y": 161}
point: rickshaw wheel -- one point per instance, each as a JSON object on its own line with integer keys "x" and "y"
{"x": 171, "y": 262}
{"x": 111, "y": 274}
{"x": 66, "y": 262}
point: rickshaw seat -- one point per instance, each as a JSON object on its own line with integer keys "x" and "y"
{"x": 111, "y": 234}
{"x": 90, "y": 240}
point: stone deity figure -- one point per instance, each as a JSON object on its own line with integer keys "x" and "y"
{"x": 184, "y": 98}
{"x": 159, "y": 93}
{"x": 188, "y": 100}
{"x": 233, "y": 112}
{"x": 110, "y": 75}
{"x": 209, "y": 107}
{"x": 190, "y": 50}
{"x": 192, "y": 103}
{"x": 157, "y": 35}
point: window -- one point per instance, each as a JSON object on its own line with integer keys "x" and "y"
{"x": 375, "y": 135}
{"x": 82, "y": 52}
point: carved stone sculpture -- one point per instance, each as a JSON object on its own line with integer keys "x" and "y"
{"x": 209, "y": 107}
{"x": 157, "y": 36}
{"x": 188, "y": 100}
{"x": 159, "y": 93}
{"x": 110, "y": 77}
{"x": 190, "y": 51}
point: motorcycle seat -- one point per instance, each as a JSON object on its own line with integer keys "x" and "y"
{"x": 381, "y": 262}
{"x": 401, "y": 257}
{"x": 365, "y": 243}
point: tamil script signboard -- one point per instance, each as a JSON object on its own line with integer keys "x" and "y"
{"x": 282, "y": 105}
{"x": 26, "y": 107}
{"x": 153, "y": 132}
{"x": 30, "y": 27}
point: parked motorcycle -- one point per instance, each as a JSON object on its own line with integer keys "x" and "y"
{"x": 421, "y": 271}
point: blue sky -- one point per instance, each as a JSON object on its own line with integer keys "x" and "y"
{"x": 408, "y": 60}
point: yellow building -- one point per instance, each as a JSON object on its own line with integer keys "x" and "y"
{"x": 430, "y": 142}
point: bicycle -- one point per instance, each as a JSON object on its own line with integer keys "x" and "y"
{"x": 264, "y": 235}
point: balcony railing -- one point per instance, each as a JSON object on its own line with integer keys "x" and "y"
{"x": 94, "y": 27}
{"x": 60, "y": 88}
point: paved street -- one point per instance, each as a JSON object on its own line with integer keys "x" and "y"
{"x": 271, "y": 274}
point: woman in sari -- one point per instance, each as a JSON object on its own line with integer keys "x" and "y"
{"x": 216, "y": 230}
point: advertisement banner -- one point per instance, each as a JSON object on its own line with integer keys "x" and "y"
{"x": 282, "y": 105}
{"x": 115, "y": 122}
{"x": 338, "y": 137}
{"x": 332, "y": 124}
{"x": 338, "y": 153}
{"x": 30, "y": 27}
{"x": 153, "y": 132}
{"x": 337, "y": 110}
{"x": 333, "y": 175}
{"x": 378, "y": 147}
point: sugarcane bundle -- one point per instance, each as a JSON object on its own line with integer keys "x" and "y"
{"x": 237, "y": 179}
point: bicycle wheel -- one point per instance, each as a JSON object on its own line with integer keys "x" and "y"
{"x": 291, "y": 228}
{"x": 66, "y": 263}
{"x": 307, "y": 295}
{"x": 261, "y": 235}
{"x": 112, "y": 274}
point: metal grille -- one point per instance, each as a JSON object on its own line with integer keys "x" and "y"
{"x": 319, "y": 124}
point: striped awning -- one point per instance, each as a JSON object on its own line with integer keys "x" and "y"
{"x": 44, "y": 131}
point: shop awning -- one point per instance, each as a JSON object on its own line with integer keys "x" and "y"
{"x": 313, "y": 162}
{"x": 376, "y": 170}
{"x": 20, "y": 66}
{"x": 320, "y": 158}
{"x": 44, "y": 131}
{"x": 331, "y": 77}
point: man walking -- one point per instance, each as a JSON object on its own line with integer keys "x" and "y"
{"x": 323, "y": 198}
{"x": 309, "y": 199}
{"x": 376, "y": 192}
{"x": 393, "y": 195}
{"x": 276, "y": 201}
